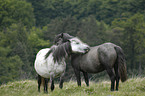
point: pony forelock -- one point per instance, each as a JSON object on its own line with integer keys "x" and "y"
{"x": 63, "y": 36}
{"x": 59, "y": 52}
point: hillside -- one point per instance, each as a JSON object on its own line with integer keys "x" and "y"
{"x": 132, "y": 87}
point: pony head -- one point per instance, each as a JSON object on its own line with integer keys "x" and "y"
{"x": 73, "y": 45}
{"x": 62, "y": 38}
{"x": 77, "y": 46}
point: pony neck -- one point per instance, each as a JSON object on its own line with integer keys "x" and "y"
{"x": 76, "y": 55}
{"x": 62, "y": 51}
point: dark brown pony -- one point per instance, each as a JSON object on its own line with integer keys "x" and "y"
{"x": 107, "y": 56}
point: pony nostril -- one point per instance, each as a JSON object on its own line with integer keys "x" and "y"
{"x": 88, "y": 48}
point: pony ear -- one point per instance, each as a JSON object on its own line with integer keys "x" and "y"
{"x": 68, "y": 40}
{"x": 61, "y": 35}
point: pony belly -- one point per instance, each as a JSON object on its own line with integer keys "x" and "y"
{"x": 41, "y": 64}
{"x": 56, "y": 69}
{"x": 41, "y": 69}
{"x": 90, "y": 62}
{"x": 98, "y": 69}
{"x": 52, "y": 71}
{"x": 48, "y": 70}
{"x": 95, "y": 68}
{"x": 59, "y": 70}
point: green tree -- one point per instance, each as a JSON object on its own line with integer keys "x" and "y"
{"x": 68, "y": 25}
{"x": 15, "y": 38}
{"x": 10, "y": 66}
{"x": 18, "y": 48}
{"x": 133, "y": 39}
{"x": 93, "y": 32}
{"x": 36, "y": 42}
{"x": 15, "y": 11}
{"x": 47, "y": 10}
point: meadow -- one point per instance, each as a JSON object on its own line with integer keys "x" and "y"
{"x": 132, "y": 87}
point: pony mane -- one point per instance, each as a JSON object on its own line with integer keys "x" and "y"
{"x": 50, "y": 51}
{"x": 63, "y": 36}
{"x": 59, "y": 52}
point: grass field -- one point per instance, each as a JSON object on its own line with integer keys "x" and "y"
{"x": 132, "y": 87}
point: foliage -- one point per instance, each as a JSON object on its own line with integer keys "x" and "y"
{"x": 133, "y": 39}
{"x": 36, "y": 42}
{"x": 18, "y": 51}
{"x": 132, "y": 87}
{"x": 98, "y": 31}
{"x": 94, "y": 21}
{"x": 15, "y": 11}
{"x": 10, "y": 69}
{"x": 106, "y": 10}
{"x": 16, "y": 41}
{"x": 65, "y": 25}
{"x": 47, "y": 10}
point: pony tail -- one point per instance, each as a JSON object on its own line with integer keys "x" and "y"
{"x": 121, "y": 63}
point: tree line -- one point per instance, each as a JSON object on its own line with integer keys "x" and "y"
{"x": 26, "y": 26}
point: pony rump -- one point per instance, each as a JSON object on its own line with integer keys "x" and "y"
{"x": 121, "y": 63}
{"x": 59, "y": 52}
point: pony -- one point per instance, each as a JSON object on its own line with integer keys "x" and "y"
{"x": 50, "y": 62}
{"x": 107, "y": 56}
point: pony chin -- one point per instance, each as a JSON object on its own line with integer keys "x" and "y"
{"x": 80, "y": 52}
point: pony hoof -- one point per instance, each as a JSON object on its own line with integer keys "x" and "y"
{"x": 60, "y": 87}
{"x": 46, "y": 92}
{"x": 112, "y": 89}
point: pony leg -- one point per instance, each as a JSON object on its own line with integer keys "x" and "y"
{"x": 86, "y": 78}
{"x": 117, "y": 75}
{"x": 112, "y": 77}
{"x": 52, "y": 84}
{"x": 45, "y": 85}
{"x": 117, "y": 82}
{"x": 39, "y": 82}
{"x": 77, "y": 73}
{"x": 61, "y": 80}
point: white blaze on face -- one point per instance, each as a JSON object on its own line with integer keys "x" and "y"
{"x": 78, "y": 46}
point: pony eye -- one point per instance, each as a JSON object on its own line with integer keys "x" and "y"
{"x": 77, "y": 43}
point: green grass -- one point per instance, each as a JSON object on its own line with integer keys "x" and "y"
{"x": 132, "y": 87}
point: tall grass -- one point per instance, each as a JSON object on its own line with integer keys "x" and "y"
{"x": 132, "y": 87}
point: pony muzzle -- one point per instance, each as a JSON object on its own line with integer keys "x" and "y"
{"x": 87, "y": 49}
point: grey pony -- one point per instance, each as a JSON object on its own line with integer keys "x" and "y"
{"x": 107, "y": 56}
